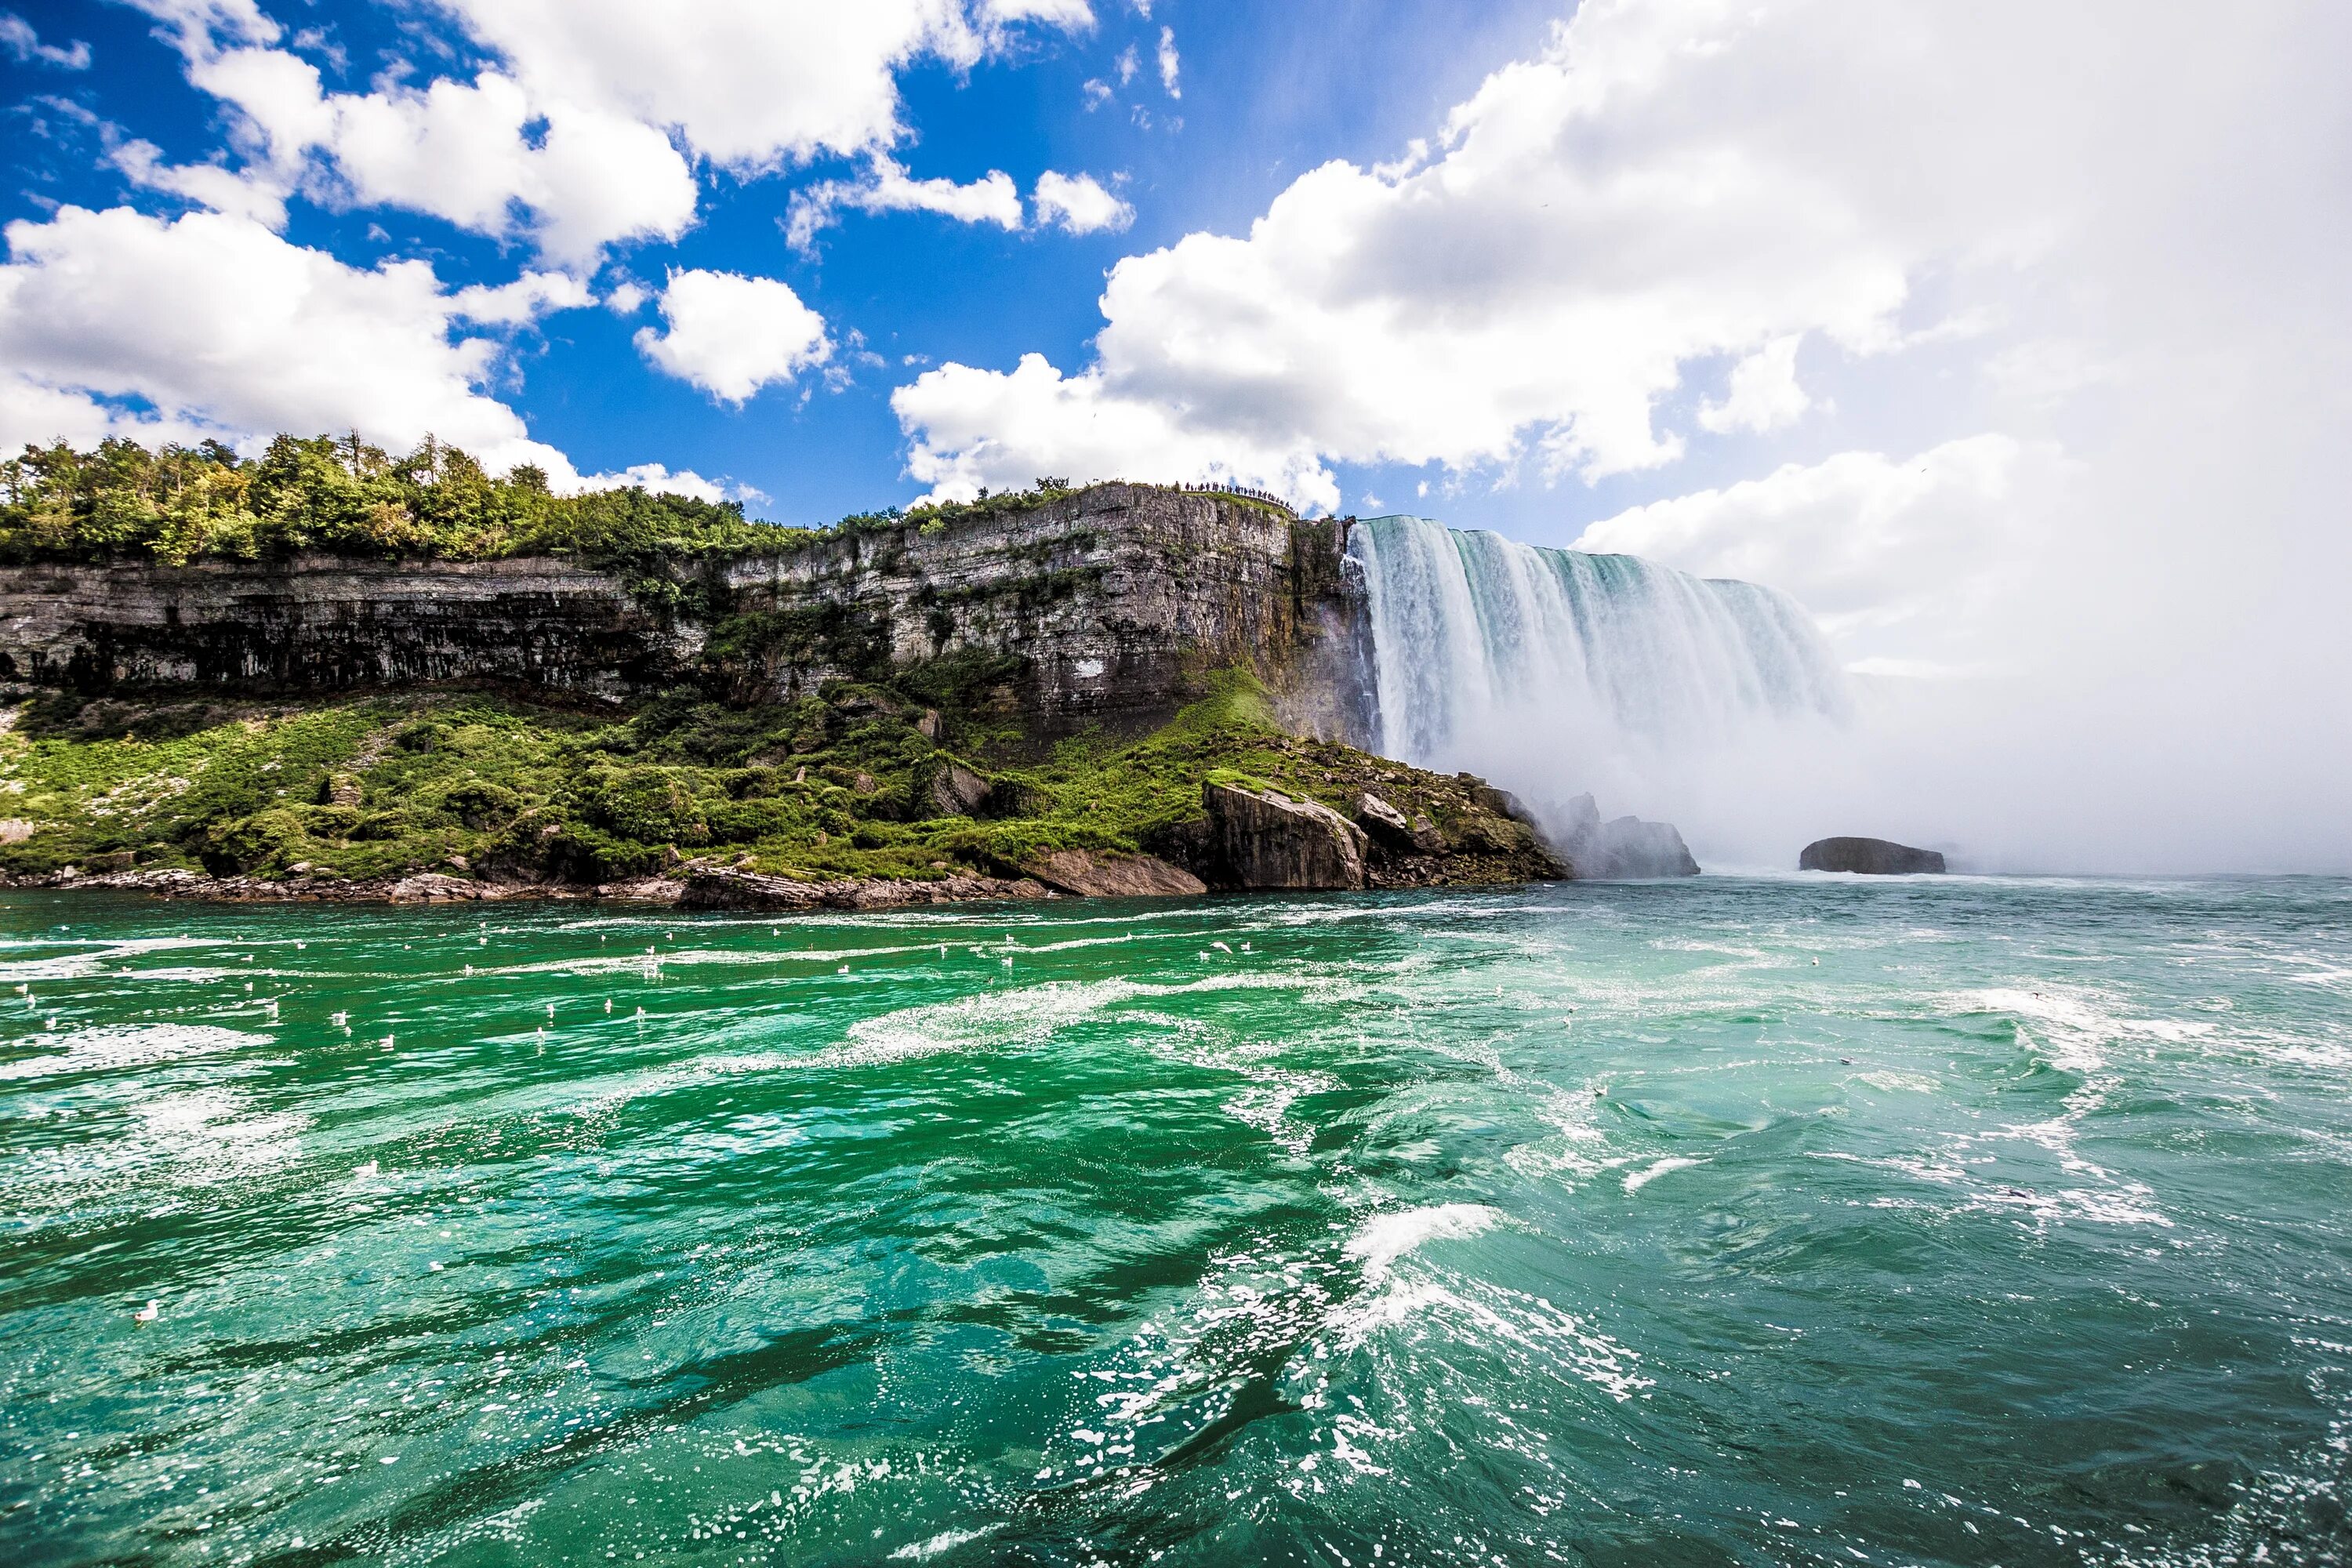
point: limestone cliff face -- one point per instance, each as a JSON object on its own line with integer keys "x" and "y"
{"x": 317, "y": 623}
{"x": 1101, "y": 605}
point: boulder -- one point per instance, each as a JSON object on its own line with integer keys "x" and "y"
{"x": 1870, "y": 856}
{"x": 1621, "y": 849}
{"x": 1385, "y": 824}
{"x": 1260, "y": 839}
{"x": 1091, "y": 873}
{"x": 1426, "y": 838}
{"x": 957, "y": 791}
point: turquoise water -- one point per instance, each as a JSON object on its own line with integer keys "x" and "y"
{"x": 1799, "y": 1221}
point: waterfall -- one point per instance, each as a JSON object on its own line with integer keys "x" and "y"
{"x": 1555, "y": 672}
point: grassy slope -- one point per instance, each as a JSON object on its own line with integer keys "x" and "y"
{"x": 833, "y": 785}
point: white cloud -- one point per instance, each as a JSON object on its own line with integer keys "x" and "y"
{"x": 1128, "y": 65}
{"x": 198, "y": 24}
{"x": 680, "y": 482}
{"x": 1764, "y": 393}
{"x": 1665, "y": 182}
{"x": 1095, "y": 93}
{"x": 248, "y": 194}
{"x": 1169, "y": 65}
{"x": 887, "y": 187}
{"x": 1069, "y": 16}
{"x": 732, "y": 335}
{"x": 18, "y": 38}
{"x": 219, "y": 326}
{"x": 1079, "y": 204}
{"x": 750, "y": 84}
{"x": 626, "y": 298}
{"x": 461, "y": 152}
{"x": 580, "y": 133}
{"x": 522, "y": 301}
{"x": 1594, "y": 219}
{"x": 982, "y": 427}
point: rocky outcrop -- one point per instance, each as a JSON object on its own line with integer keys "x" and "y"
{"x": 1101, "y": 606}
{"x": 1392, "y": 831}
{"x": 718, "y": 889}
{"x": 1625, "y": 848}
{"x": 957, "y": 791}
{"x": 1869, "y": 857}
{"x": 1093, "y": 874}
{"x": 1264, "y": 839}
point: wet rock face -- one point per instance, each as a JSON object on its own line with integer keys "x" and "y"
{"x": 1870, "y": 856}
{"x": 1260, "y": 840}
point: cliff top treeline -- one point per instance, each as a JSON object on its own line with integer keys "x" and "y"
{"x": 341, "y": 496}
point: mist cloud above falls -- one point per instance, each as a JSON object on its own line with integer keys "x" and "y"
{"x": 2034, "y": 313}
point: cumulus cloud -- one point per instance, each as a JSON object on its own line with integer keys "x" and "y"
{"x": 887, "y": 187}
{"x": 732, "y": 335}
{"x": 750, "y": 84}
{"x": 1079, "y": 204}
{"x": 479, "y": 155}
{"x": 582, "y": 131}
{"x": 1593, "y": 220}
{"x": 116, "y": 322}
{"x": 1169, "y": 64}
{"x": 983, "y": 426}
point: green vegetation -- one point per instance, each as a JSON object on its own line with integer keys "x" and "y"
{"x": 848, "y": 783}
{"x": 343, "y": 497}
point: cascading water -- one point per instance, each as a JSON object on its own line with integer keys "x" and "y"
{"x": 1555, "y": 672}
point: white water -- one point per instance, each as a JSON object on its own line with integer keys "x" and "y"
{"x": 1710, "y": 703}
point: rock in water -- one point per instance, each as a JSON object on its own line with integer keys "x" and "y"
{"x": 1625, "y": 848}
{"x": 1093, "y": 874}
{"x": 1870, "y": 856}
{"x": 1264, "y": 839}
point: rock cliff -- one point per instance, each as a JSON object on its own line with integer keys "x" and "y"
{"x": 1094, "y": 608}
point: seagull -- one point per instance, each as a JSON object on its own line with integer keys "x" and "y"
{"x": 149, "y": 1313}
{"x": 1221, "y": 947}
